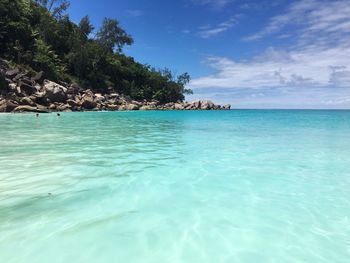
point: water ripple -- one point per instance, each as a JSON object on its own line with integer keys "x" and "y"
{"x": 235, "y": 186}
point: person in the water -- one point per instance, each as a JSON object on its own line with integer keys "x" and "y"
{"x": 37, "y": 115}
{"x": 58, "y": 114}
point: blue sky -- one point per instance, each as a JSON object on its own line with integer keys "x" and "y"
{"x": 250, "y": 53}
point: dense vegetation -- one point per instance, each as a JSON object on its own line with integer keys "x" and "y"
{"x": 39, "y": 35}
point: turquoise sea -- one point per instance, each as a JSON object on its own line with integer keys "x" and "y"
{"x": 201, "y": 186}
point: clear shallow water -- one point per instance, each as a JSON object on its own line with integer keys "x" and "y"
{"x": 232, "y": 186}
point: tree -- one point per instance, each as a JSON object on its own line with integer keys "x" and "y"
{"x": 183, "y": 80}
{"x": 112, "y": 37}
{"x": 56, "y": 7}
{"x": 46, "y": 59}
{"x": 37, "y": 35}
{"x": 85, "y": 27}
{"x": 15, "y": 30}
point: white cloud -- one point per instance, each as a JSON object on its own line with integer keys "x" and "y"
{"x": 303, "y": 67}
{"x": 311, "y": 16}
{"x": 320, "y": 58}
{"x": 317, "y": 65}
{"x": 210, "y": 31}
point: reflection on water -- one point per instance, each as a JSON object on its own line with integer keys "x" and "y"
{"x": 235, "y": 186}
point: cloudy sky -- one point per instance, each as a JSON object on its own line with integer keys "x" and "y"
{"x": 250, "y": 53}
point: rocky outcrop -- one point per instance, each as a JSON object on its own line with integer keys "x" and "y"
{"x": 12, "y": 73}
{"x": 21, "y": 91}
{"x": 88, "y": 101}
{"x": 146, "y": 107}
{"x": 179, "y": 106}
{"x": 38, "y": 77}
{"x": 27, "y": 108}
{"x": 27, "y": 101}
{"x": 207, "y": 105}
{"x": 131, "y": 106}
{"x": 8, "y": 105}
{"x": 54, "y": 92}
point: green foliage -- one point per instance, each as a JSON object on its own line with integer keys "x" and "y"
{"x": 39, "y": 35}
{"x": 56, "y": 7}
{"x": 15, "y": 30}
{"x": 45, "y": 59}
{"x": 111, "y": 36}
{"x": 85, "y": 27}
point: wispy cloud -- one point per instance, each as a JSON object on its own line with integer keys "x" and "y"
{"x": 134, "y": 13}
{"x": 216, "y": 4}
{"x": 277, "y": 68}
{"x": 319, "y": 60}
{"x": 210, "y": 31}
{"x": 310, "y": 16}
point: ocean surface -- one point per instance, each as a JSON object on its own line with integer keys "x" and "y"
{"x": 216, "y": 186}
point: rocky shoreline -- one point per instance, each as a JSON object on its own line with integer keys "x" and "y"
{"x": 25, "y": 92}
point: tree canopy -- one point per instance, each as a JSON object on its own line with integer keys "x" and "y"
{"x": 39, "y": 35}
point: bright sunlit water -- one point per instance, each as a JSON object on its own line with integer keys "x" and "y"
{"x": 226, "y": 186}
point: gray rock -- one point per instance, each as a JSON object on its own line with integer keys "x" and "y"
{"x": 12, "y": 96}
{"x": 37, "y": 87}
{"x": 179, "y": 106}
{"x": 73, "y": 103}
{"x": 40, "y": 98}
{"x": 3, "y": 105}
{"x": 28, "y": 81}
{"x": 88, "y": 101}
{"x": 27, "y": 101}
{"x": 77, "y": 97}
{"x": 42, "y": 108}
{"x": 54, "y": 92}
{"x": 12, "y": 72}
{"x": 27, "y": 108}
{"x": 26, "y": 89}
{"x": 99, "y": 98}
{"x": 40, "y": 94}
{"x": 207, "y": 105}
{"x": 18, "y": 91}
{"x": 151, "y": 107}
{"x": 52, "y": 107}
{"x": 112, "y": 107}
{"x": 19, "y": 76}
{"x": 73, "y": 89}
{"x": 168, "y": 106}
{"x": 64, "y": 107}
{"x": 122, "y": 108}
{"x": 38, "y": 77}
{"x": 146, "y": 107}
{"x": 153, "y": 104}
{"x": 11, "y": 105}
{"x": 197, "y": 105}
{"x": 190, "y": 106}
{"x": 3, "y": 63}
{"x": 132, "y": 107}
{"x": 12, "y": 87}
{"x": 126, "y": 98}
{"x": 113, "y": 95}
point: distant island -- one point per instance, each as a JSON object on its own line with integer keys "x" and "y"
{"x": 48, "y": 63}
